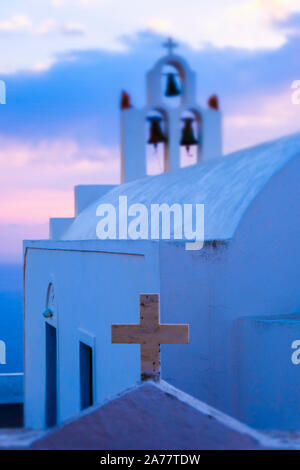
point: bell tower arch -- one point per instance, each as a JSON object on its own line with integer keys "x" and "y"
{"x": 178, "y": 130}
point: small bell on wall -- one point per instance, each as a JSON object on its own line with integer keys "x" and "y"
{"x": 156, "y": 134}
{"x": 172, "y": 87}
{"x": 187, "y": 138}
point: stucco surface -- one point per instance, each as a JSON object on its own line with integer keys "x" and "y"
{"x": 225, "y": 185}
{"x": 153, "y": 417}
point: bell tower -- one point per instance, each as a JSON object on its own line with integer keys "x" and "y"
{"x": 175, "y": 120}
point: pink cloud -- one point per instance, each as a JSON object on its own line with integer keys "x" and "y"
{"x": 12, "y": 236}
{"x": 261, "y": 118}
{"x": 37, "y": 180}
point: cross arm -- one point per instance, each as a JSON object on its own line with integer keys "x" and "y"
{"x": 126, "y": 334}
{"x": 173, "y": 334}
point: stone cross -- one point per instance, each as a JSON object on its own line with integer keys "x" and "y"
{"x": 170, "y": 45}
{"x": 150, "y": 334}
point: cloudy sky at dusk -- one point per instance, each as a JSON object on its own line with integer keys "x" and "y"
{"x": 65, "y": 62}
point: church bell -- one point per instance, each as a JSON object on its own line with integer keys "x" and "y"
{"x": 188, "y": 139}
{"x": 156, "y": 134}
{"x": 172, "y": 87}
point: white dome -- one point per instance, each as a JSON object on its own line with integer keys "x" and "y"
{"x": 226, "y": 186}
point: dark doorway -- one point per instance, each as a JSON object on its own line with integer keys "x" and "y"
{"x": 51, "y": 376}
{"x": 86, "y": 376}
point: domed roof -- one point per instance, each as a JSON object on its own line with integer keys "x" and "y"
{"x": 225, "y": 185}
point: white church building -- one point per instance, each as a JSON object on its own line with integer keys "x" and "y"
{"x": 239, "y": 293}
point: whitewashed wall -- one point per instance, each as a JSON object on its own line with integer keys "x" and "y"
{"x": 255, "y": 274}
{"x": 95, "y": 286}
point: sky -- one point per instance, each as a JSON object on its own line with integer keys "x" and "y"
{"x": 65, "y": 62}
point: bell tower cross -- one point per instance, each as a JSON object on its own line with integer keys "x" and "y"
{"x": 170, "y": 45}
